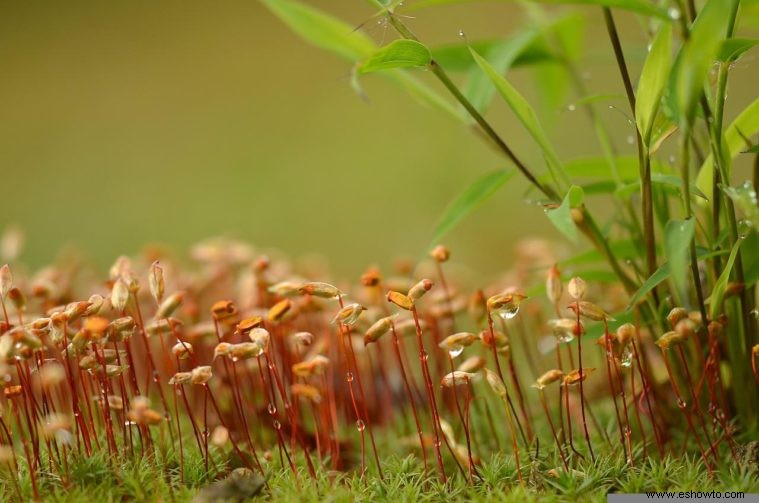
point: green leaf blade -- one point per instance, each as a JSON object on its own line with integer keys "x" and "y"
{"x": 652, "y": 81}
{"x": 561, "y": 217}
{"x": 482, "y": 189}
{"x": 397, "y": 54}
{"x": 678, "y": 235}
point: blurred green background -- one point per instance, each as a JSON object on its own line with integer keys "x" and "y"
{"x": 125, "y": 123}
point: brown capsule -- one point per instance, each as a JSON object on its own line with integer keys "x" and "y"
{"x": 181, "y": 378}
{"x": 182, "y": 350}
{"x": 245, "y": 350}
{"x": 625, "y": 333}
{"x": 278, "y": 310}
{"x": 417, "y": 291}
{"x": 96, "y": 303}
{"x": 400, "y": 300}
{"x": 348, "y": 315}
{"x": 496, "y": 384}
{"x": 549, "y": 377}
{"x": 685, "y": 327}
{"x": 17, "y": 298}
{"x": 590, "y": 311}
{"x": 304, "y": 338}
{"x": 716, "y": 329}
{"x": 201, "y": 375}
{"x": 457, "y": 378}
{"x": 220, "y": 436}
{"x": 670, "y": 339}
{"x": 576, "y": 288}
{"x": 95, "y": 326}
{"x": 286, "y": 288}
{"x": 315, "y": 365}
{"x": 223, "y": 310}
{"x": 169, "y": 305}
{"x": 675, "y": 315}
{"x": 121, "y": 266}
{"x": 119, "y": 295}
{"x": 573, "y": 376}
{"x": 156, "y": 282}
{"x": 13, "y": 391}
{"x": 554, "y": 286}
{"x": 378, "y": 329}
{"x": 306, "y": 391}
{"x": 248, "y": 324}
{"x": 440, "y": 254}
{"x": 371, "y": 277}
{"x": 472, "y": 364}
{"x": 319, "y": 289}
{"x": 6, "y": 280}
{"x": 487, "y": 338}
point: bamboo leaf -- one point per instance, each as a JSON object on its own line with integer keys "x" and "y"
{"x": 561, "y": 217}
{"x": 744, "y": 198}
{"x": 322, "y": 30}
{"x": 746, "y": 124}
{"x": 718, "y": 292}
{"x": 638, "y": 6}
{"x": 524, "y": 112}
{"x": 397, "y": 54}
{"x": 652, "y": 80}
{"x": 697, "y": 54}
{"x": 661, "y": 274}
{"x": 677, "y": 238}
{"x": 733, "y": 48}
{"x": 469, "y": 200}
{"x": 457, "y": 58}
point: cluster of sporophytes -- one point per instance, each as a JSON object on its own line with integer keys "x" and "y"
{"x": 242, "y": 360}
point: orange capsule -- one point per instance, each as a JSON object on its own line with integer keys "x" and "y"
{"x": 590, "y": 311}
{"x": 440, "y": 254}
{"x": 573, "y": 376}
{"x": 576, "y": 288}
{"x": 400, "y": 300}
{"x": 223, "y": 310}
{"x": 472, "y": 364}
{"x": 155, "y": 281}
{"x": 248, "y": 324}
{"x": 319, "y": 289}
{"x": 549, "y": 377}
{"x": 417, "y": 291}
{"x": 553, "y": 285}
{"x": 278, "y": 310}
{"x": 378, "y": 329}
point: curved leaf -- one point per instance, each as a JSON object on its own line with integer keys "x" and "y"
{"x": 718, "y": 292}
{"x": 638, "y": 6}
{"x": 561, "y": 217}
{"x": 678, "y": 235}
{"x": 469, "y": 200}
{"x": 652, "y": 80}
{"x": 397, "y": 54}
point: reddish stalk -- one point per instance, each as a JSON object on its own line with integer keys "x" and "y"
{"x": 684, "y": 407}
{"x": 553, "y": 429}
{"x": 578, "y": 335}
{"x": 608, "y": 355}
{"x": 409, "y": 394}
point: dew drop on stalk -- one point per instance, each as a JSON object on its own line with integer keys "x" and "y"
{"x": 276, "y": 424}
{"x": 566, "y": 336}
{"x": 349, "y": 376}
{"x": 508, "y": 311}
{"x": 360, "y": 425}
{"x": 755, "y": 312}
{"x": 673, "y": 13}
{"x": 572, "y": 107}
{"x": 455, "y": 351}
{"x": 425, "y": 356}
{"x": 626, "y": 358}
{"x": 272, "y": 409}
{"x": 681, "y": 403}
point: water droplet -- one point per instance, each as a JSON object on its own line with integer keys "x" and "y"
{"x": 360, "y": 425}
{"x": 276, "y": 424}
{"x": 755, "y": 312}
{"x": 349, "y": 376}
{"x": 235, "y": 359}
{"x": 508, "y": 311}
{"x": 272, "y": 366}
{"x": 681, "y": 403}
{"x": 626, "y": 358}
{"x": 673, "y": 13}
{"x": 455, "y": 350}
{"x": 572, "y": 107}
{"x": 630, "y": 140}
{"x": 462, "y": 34}
{"x": 566, "y": 336}
{"x": 272, "y": 409}
{"x": 437, "y": 443}
{"x": 425, "y": 356}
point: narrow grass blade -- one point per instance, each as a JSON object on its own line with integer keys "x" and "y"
{"x": 469, "y": 200}
{"x": 397, "y": 54}
{"x": 561, "y": 217}
{"x": 652, "y": 81}
{"x": 677, "y": 238}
